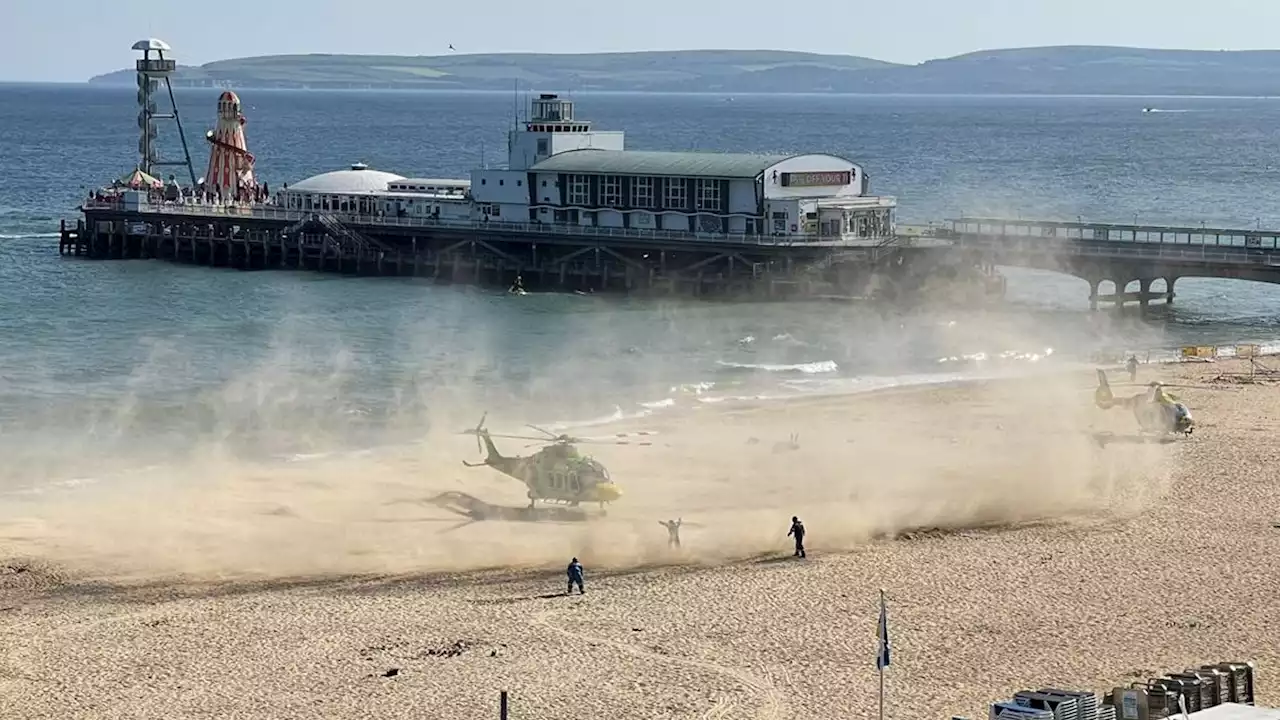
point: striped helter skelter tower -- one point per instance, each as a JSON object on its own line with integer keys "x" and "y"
{"x": 230, "y": 163}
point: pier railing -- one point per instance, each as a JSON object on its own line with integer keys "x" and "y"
{"x": 1209, "y": 246}
{"x": 1120, "y": 233}
{"x": 1196, "y": 252}
{"x": 270, "y": 212}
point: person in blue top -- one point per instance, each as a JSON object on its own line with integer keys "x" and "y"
{"x": 575, "y": 577}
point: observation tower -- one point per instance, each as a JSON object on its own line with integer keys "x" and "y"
{"x": 153, "y": 67}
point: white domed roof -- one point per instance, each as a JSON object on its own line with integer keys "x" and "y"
{"x": 359, "y": 179}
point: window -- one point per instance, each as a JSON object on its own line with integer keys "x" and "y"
{"x": 542, "y": 146}
{"x": 708, "y": 194}
{"x": 642, "y": 192}
{"x": 611, "y": 191}
{"x": 676, "y": 194}
{"x": 579, "y": 190}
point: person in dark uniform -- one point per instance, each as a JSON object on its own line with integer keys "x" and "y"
{"x": 575, "y": 577}
{"x": 673, "y": 532}
{"x": 1132, "y": 366}
{"x": 797, "y": 531}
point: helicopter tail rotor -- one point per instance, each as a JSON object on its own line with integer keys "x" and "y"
{"x": 477, "y": 431}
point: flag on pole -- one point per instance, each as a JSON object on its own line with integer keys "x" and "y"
{"x": 882, "y": 657}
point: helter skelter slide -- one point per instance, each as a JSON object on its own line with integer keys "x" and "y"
{"x": 230, "y": 162}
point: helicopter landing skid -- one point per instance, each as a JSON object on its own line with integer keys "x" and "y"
{"x": 474, "y": 508}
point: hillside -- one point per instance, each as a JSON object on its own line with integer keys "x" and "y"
{"x": 1056, "y": 70}
{"x": 705, "y": 69}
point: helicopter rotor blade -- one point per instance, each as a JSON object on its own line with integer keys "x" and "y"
{"x": 616, "y": 436}
{"x": 522, "y": 437}
{"x": 509, "y": 437}
{"x": 546, "y": 432}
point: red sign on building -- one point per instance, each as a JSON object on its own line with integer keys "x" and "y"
{"x": 817, "y": 179}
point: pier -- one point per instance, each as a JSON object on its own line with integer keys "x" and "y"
{"x": 1150, "y": 256}
{"x": 572, "y": 210}
{"x": 1142, "y": 264}
{"x": 576, "y": 211}
{"x": 544, "y": 256}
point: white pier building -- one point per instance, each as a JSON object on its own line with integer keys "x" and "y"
{"x": 364, "y": 192}
{"x": 562, "y": 171}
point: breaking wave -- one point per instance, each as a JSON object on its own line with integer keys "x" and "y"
{"x": 27, "y": 236}
{"x": 809, "y": 368}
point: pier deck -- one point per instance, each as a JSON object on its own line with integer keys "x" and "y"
{"x": 544, "y": 256}
{"x": 589, "y": 258}
{"x": 1118, "y": 253}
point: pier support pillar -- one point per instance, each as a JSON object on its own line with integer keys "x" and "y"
{"x": 1121, "y": 287}
{"x": 1168, "y": 290}
{"x": 1144, "y": 290}
{"x": 1093, "y": 293}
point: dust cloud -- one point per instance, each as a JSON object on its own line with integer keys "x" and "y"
{"x": 964, "y": 456}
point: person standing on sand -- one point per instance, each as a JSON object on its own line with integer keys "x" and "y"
{"x": 797, "y": 531}
{"x": 575, "y": 577}
{"x": 1132, "y": 366}
{"x": 673, "y": 532}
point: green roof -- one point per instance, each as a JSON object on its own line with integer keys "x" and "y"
{"x": 675, "y": 164}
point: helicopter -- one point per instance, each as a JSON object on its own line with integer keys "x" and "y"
{"x": 1157, "y": 412}
{"x": 557, "y": 473}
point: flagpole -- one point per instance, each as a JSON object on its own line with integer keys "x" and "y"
{"x": 882, "y": 639}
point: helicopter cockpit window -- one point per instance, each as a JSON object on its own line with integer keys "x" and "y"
{"x": 598, "y": 470}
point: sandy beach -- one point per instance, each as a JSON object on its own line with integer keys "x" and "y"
{"x": 261, "y": 592}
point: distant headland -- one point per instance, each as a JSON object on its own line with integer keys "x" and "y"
{"x": 1068, "y": 70}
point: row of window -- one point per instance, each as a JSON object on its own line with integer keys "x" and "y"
{"x": 433, "y": 189}
{"x": 706, "y": 192}
{"x": 557, "y": 128}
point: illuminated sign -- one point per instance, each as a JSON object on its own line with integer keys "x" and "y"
{"x": 817, "y": 179}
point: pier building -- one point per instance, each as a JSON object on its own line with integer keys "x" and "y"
{"x": 360, "y": 190}
{"x": 560, "y": 170}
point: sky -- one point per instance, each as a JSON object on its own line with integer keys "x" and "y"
{"x": 72, "y": 40}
